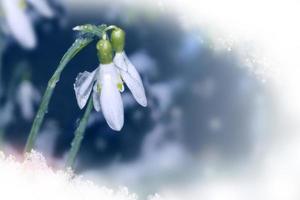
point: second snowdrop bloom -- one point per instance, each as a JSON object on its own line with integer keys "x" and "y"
{"x": 127, "y": 70}
{"x": 18, "y": 21}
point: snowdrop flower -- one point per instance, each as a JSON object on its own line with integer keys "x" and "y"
{"x": 127, "y": 70}
{"x": 18, "y": 20}
{"x": 106, "y": 83}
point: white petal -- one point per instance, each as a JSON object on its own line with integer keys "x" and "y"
{"x": 96, "y": 97}
{"x": 132, "y": 70}
{"x": 119, "y": 61}
{"x": 134, "y": 82}
{"x": 111, "y": 103}
{"x": 83, "y": 87}
{"x": 19, "y": 23}
{"x": 112, "y": 71}
{"x": 42, "y": 7}
{"x": 136, "y": 89}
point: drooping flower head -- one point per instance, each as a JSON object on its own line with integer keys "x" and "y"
{"x": 106, "y": 82}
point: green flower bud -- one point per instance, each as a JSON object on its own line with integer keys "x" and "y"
{"x": 105, "y": 53}
{"x": 118, "y": 39}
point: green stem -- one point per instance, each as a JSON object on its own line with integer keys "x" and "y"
{"x": 109, "y": 28}
{"x": 79, "y": 133}
{"x": 78, "y": 45}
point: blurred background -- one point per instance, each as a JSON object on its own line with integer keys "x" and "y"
{"x": 222, "y": 119}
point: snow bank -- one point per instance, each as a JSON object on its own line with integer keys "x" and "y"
{"x": 33, "y": 179}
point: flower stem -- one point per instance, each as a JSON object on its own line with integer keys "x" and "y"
{"x": 110, "y": 27}
{"x": 78, "y": 45}
{"x": 79, "y": 133}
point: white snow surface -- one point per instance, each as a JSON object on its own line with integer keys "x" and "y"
{"x": 33, "y": 179}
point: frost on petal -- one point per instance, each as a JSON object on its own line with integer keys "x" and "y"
{"x": 96, "y": 97}
{"x": 83, "y": 87}
{"x": 136, "y": 89}
{"x": 19, "y": 23}
{"x": 119, "y": 61}
{"x": 111, "y": 103}
{"x": 42, "y": 7}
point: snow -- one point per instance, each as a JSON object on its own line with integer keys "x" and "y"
{"x": 33, "y": 179}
